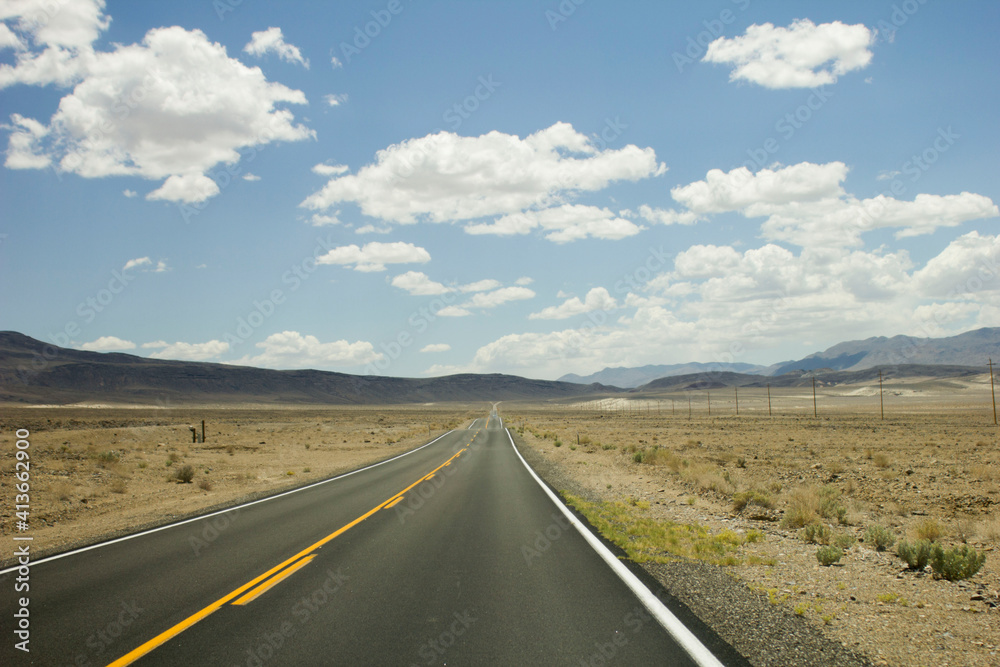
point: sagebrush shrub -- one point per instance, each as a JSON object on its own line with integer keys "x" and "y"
{"x": 916, "y": 555}
{"x": 879, "y": 537}
{"x": 829, "y": 555}
{"x": 957, "y": 563}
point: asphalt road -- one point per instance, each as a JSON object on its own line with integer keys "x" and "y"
{"x": 451, "y": 554}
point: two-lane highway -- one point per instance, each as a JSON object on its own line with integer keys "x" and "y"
{"x": 451, "y": 554}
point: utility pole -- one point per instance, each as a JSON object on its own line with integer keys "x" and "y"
{"x": 814, "y": 396}
{"x": 709, "y": 394}
{"x": 993, "y": 393}
{"x": 736, "y": 390}
{"x": 881, "y": 400}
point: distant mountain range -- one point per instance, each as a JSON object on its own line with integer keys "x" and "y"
{"x": 970, "y": 349}
{"x": 636, "y": 377}
{"x": 34, "y": 372}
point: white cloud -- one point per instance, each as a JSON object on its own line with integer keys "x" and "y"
{"x": 161, "y": 267}
{"x": 139, "y": 261}
{"x": 597, "y": 298}
{"x": 805, "y": 204}
{"x": 739, "y": 188}
{"x": 173, "y": 107}
{"x": 272, "y": 41}
{"x": 444, "y": 177}
{"x": 10, "y": 40}
{"x": 481, "y": 285}
{"x": 335, "y": 62}
{"x": 189, "y": 188}
{"x": 967, "y": 268}
{"x": 334, "y": 100}
{"x": 250, "y": 177}
{"x": 569, "y": 222}
{"x": 453, "y": 311}
{"x": 436, "y": 347}
{"x": 374, "y": 256}
{"x": 24, "y": 149}
{"x": 717, "y": 303}
{"x": 212, "y": 349}
{"x": 499, "y": 297}
{"x": 330, "y": 169}
{"x": 130, "y": 193}
{"x": 524, "y": 280}
{"x": 290, "y": 349}
{"x": 372, "y": 229}
{"x": 108, "y": 344}
{"x": 418, "y": 284}
{"x": 321, "y": 219}
{"x": 803, "y": 55}
{"x": 668, "y": 216}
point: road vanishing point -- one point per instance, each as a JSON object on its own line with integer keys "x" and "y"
{"x": 454, "y": 553}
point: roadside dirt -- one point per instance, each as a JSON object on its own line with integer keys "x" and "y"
{"x": 932, "y": 471}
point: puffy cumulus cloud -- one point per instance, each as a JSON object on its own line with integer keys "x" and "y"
{"x": 480, "y": 285}
{"x": 806, "y": 204}
{"x": 24, "y": 149}
{"x": 10, "y": 40}
{"x": 499, "y": 297}
{"x": 969, "y": 267}
{"x": 662, "y": 216}
{"x": 374, "y": 256}
{"x": 212, "y": 349}
{"x": 445, "y": 177}
{"x": 139, "y": 261}
{"x": 803, "y": 55}
{"x": 173, "y": 107}
{"x": 253, "y": 178}
{"x": 62, "y": 34}
{"x": 273, "y": 41}
{"x": 418, "y": 284}
{"x": 561, "y": 224}
{"x": 330, "y": 169}
{"x": 290, "y": 349}
{"x": 436, "y": 347}
{"x": 524, "y": 280}
{"x": 453, "y": 311}
{"x": 108, "y": 344}
{"x": 843, "y": 220}
{"x": 597, "y": 298}
{"x": 740, "y": 188}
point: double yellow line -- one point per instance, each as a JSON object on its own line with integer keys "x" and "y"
{"x": 264, "y": 582}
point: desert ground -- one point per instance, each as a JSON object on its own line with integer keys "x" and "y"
{"x": 659, "y": 475}
{"x": 100, "y": 471}
{"x": 738, "y": 491}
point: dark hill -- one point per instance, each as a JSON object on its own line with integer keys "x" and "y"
{"x": 35, "y": 372}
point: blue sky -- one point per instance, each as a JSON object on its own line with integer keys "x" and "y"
{"x": 418, "y": 188}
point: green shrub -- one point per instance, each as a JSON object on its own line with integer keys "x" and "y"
{"x": 637, "y": 457}
{"x": 829, "y": 555}
{"x": 816, "y": 533}
{"x": 880, "y": 537}
{"x": 843, "y": 541}
{"x": 957, "y": 563}
{"x": 916, "y": 555}
{"x": 558, "y": 443}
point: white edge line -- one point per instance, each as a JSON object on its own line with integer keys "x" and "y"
{"x": 223, "y": 511}
{"x": 681, "y": 634}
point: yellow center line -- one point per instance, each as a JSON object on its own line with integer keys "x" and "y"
{"x": 394, "y": 502}
{"x": 273, "y": 581}
{"x": 170, "y": 633}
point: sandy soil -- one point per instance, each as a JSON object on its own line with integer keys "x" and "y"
{"x": 101, "y": 471}
{"x": 932, "y": 466}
